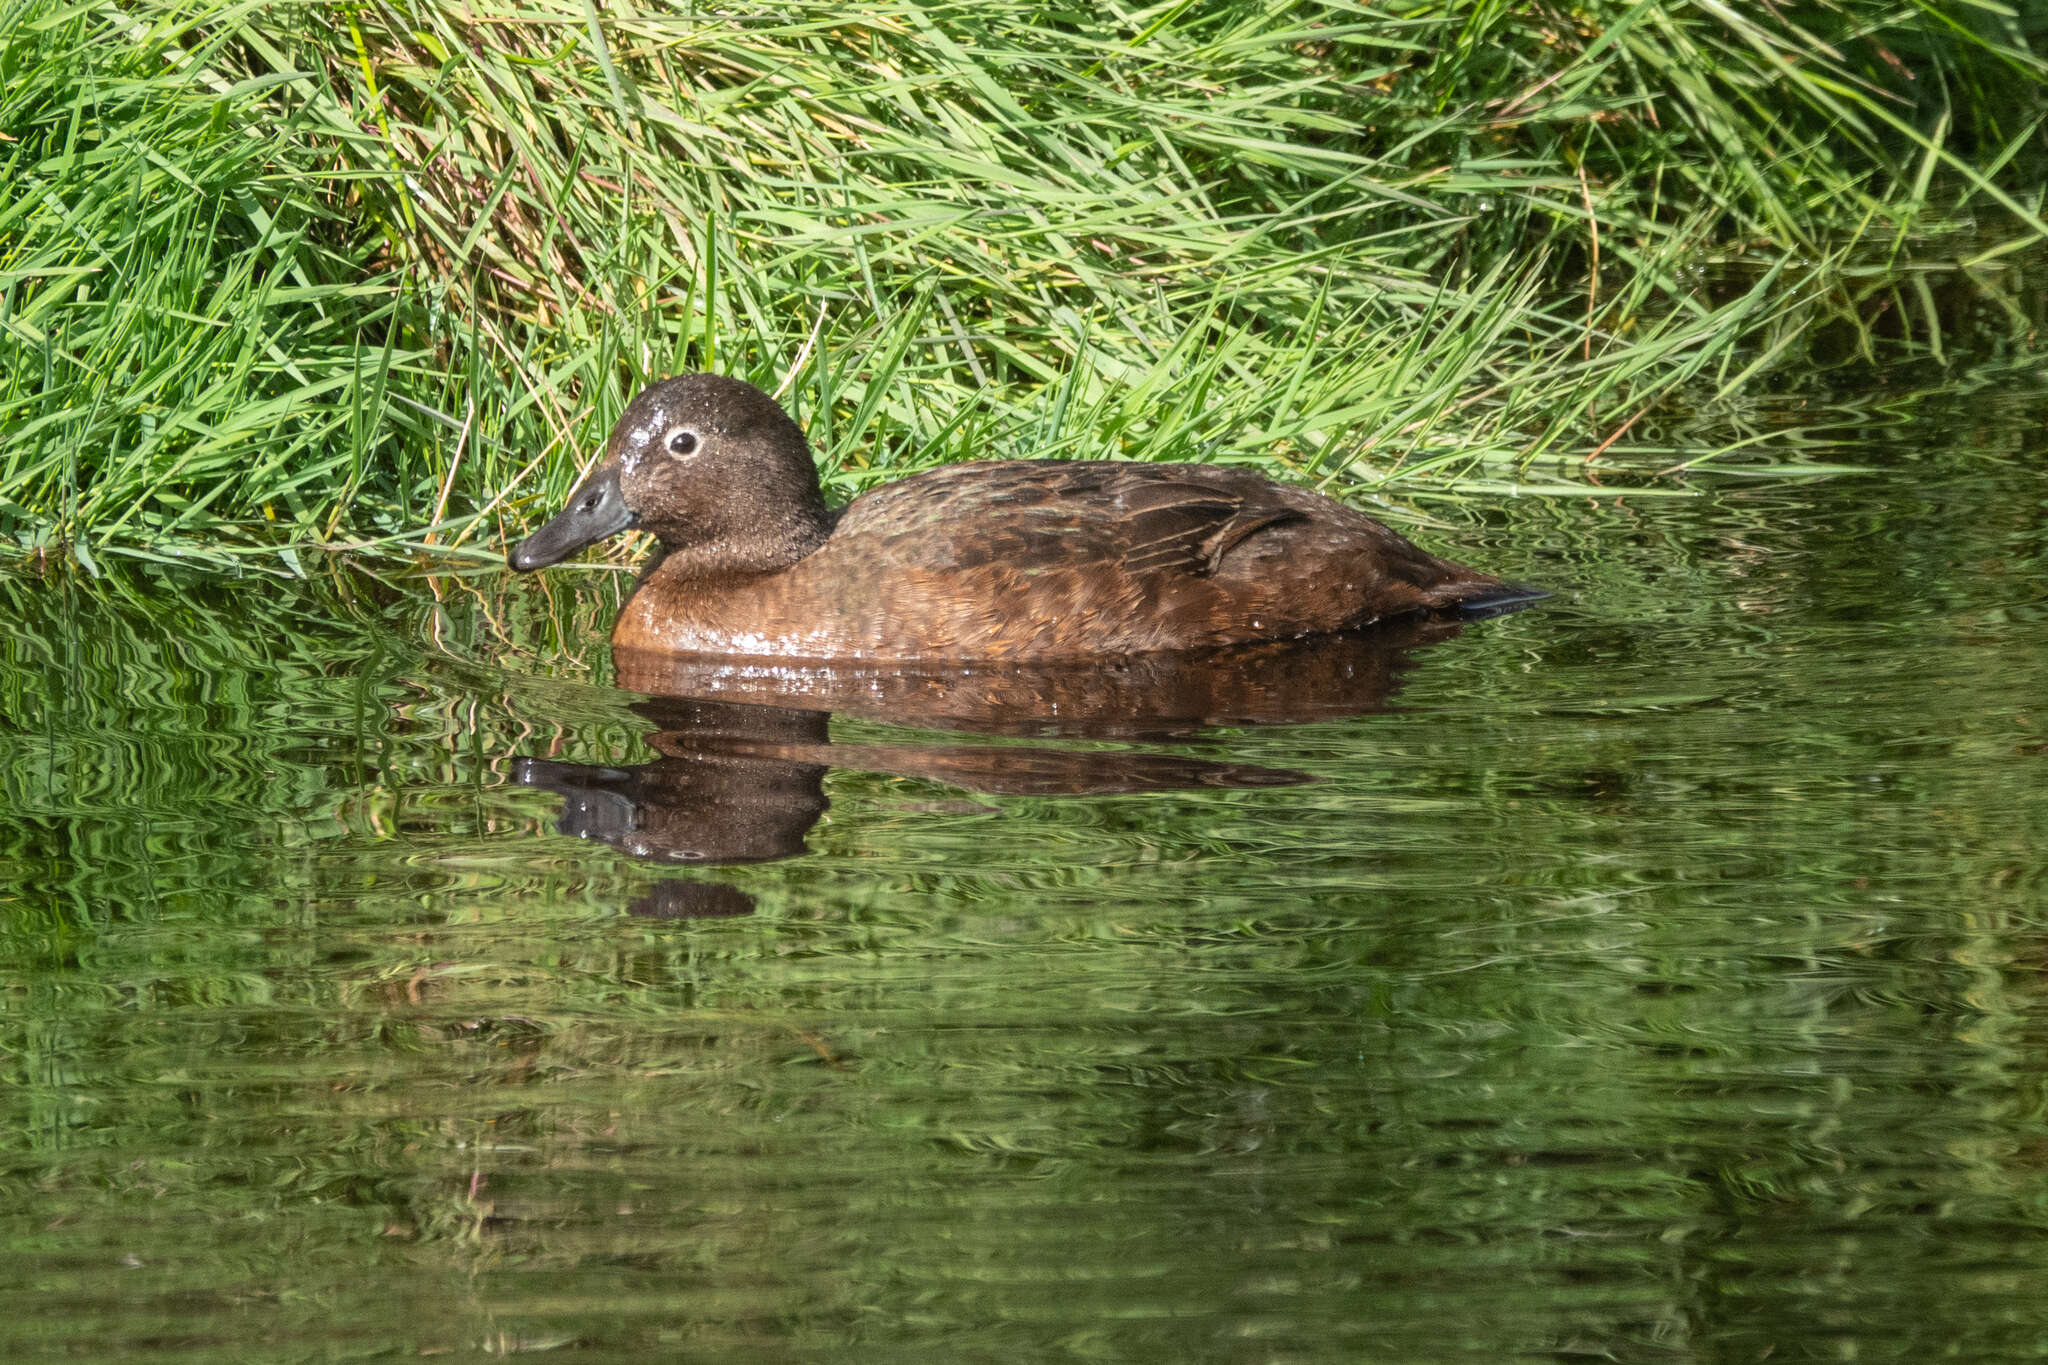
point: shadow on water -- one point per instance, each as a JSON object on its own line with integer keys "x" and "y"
{"x": 744, "y": 745}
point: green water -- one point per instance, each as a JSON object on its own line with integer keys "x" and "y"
{"x": 1660, "y": 978}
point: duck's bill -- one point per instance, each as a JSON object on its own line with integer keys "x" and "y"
{"x": 596, "y": 510}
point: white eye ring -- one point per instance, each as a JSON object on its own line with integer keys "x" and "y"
{"x": 682, "y": 443}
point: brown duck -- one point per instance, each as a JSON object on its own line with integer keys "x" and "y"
{"x": 993, "y": 560}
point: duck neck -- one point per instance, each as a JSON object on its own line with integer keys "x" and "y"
{"x": 748, "y": 551}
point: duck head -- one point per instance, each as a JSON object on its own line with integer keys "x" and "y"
{"x": 713, "y": 468}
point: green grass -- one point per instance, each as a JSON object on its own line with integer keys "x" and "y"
{"x": 380, "y": 276}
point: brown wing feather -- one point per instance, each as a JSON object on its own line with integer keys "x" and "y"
{"x": 1179, "y": 526}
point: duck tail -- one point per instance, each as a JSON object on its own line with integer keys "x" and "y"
{"x": 1498, "y": 599}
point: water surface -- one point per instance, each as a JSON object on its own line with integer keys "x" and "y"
{"x": 1656, "y": 974}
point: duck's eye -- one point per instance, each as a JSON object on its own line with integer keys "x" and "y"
{"x": 682, "y": 441}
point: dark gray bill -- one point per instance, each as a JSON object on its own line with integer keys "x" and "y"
{"x": 596, "y": 510}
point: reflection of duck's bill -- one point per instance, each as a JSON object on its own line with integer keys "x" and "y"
{"x": 1500, "y": 599}
{"x": 596, "y": 510}
{"x": 594, "y": 807}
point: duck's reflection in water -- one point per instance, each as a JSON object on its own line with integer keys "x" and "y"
{"x": 744, "y": 745}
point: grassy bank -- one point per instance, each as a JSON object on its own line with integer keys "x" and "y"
{"x": 381, "y": 275}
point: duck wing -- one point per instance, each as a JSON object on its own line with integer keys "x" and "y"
{"x": 1180, "y": 525}
{"x": 1139, "y": 519}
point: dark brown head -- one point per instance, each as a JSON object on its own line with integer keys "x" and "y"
{"x": 713, "y": 468}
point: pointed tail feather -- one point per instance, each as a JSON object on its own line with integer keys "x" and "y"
{"x": 1497, "y": 599}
